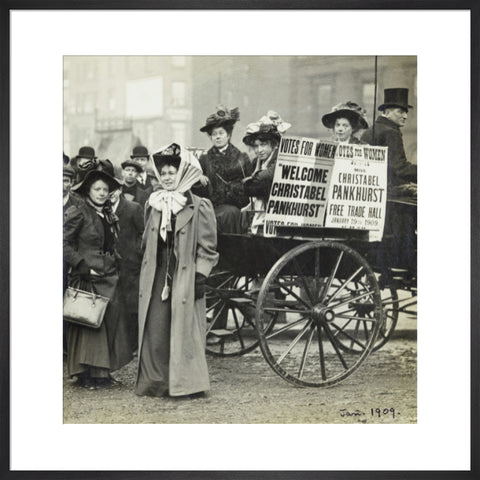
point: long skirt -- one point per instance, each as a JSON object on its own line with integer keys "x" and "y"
{"x": 100, "y": 351}
{"x": 153, "y": 363}
{"x": 229, "y": 219}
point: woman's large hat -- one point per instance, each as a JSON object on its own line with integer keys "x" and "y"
{"x": 269, "y": 127}
{"x": 349, "y": 110}
{"x": 139, "y": 151}
{"x": 395, "y": 97}
{"x": 93, "y": 176}
{"x": 221, "y": 118}
{"x": 168, "y": 155}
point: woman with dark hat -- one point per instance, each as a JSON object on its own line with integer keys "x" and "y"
{"x": 345, "y": 120}
{"x": 179, "y": 246}
{"x": 89, "y": 240}
{"x": 263, "y": 137}
{"x": 224, "y": 167}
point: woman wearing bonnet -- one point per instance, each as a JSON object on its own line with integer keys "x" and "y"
{"x": 263, "y": 137}
{"x": 179, "y": 245}
{"x": 345, "y": 120}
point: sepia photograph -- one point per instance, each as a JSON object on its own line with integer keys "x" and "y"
{"x": 239, "y": 239}
{"x": 241, "y": 242}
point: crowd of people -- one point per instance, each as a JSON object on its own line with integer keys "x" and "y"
{"x": 148, "y": 241}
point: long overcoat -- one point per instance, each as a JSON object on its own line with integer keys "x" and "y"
{"x": 106, "y": 347}
{"x": 195, "y": 251}
{"x": 130, "y": 220}
{"x": 388, "y": 134}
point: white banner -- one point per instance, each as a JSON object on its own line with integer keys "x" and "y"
{"x": 358, "y": 190}
{"x": 299, "y": 193}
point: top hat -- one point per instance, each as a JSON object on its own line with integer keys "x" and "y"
{"x": 269, "y": 127}
{"x": 395, "y": 97}
{"x": 92, "y": 176}
{"x": 349, "y": 110}
{"x": 221, "y": 118}
{"x": 169, "y": 155}
{"x": 131, "y": 163}
{"x": 139, "y": 151}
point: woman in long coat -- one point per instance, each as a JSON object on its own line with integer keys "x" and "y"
{"x": 90, "y": 240}
{"x": 179, "y": 252}
{"x": 224, "y": 167}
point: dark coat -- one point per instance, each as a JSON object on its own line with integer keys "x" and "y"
{"x": 130, "y": 216}
{"x": 260, "y": 183}
{"x": 108, "y": 346}
{"x": 150, "y": 182}
{"x": 136, "y": 193}
{"x": 225, "y": 172}
{"x": 195, "y": 242}
{"x": 388, "y": 134}
{"x": 73, "y": 199}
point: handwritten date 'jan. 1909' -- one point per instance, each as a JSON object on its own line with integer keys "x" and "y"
{"x": 372, "y": 412}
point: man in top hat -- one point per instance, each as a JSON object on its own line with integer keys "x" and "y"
{"x": 131, "y": 189}
{"x": 386, "y": 132}
{"x": 145, "y": 178}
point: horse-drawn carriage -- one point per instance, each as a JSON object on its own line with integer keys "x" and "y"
{"x": 317, "y": 299}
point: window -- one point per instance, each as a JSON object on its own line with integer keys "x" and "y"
{"x": 179, "y": 90}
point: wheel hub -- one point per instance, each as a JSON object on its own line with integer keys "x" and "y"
{"x": 321, "y": 313}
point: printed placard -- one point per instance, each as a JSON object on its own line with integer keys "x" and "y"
{"x": 358, "y": 190}
{"x": 299, "y": 193}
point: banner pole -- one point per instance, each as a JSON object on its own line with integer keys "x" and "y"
{"x": 374, "y": 101}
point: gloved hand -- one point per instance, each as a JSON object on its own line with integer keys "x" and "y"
{"x": 83, "y": 270}
{"x": 200, "y": 280}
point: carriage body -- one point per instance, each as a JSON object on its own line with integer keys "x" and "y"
{"x": 316, "y": 299}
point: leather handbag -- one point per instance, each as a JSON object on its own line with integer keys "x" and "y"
{"x": 84, "y": 308}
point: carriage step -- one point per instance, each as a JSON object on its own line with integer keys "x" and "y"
{"x": 222, "y": 332}
{"x": 243, "y": 300}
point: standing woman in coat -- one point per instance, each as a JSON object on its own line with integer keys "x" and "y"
{"x": 179, "y": 244}
{"x": 90, "y": 238}
{"x": 224, "y": 167}
{"x": 345, "y": 120}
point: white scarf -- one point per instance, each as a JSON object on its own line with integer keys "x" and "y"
{"x": 173, "y": 201}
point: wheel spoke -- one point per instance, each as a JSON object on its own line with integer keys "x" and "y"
{"x": 294, "y": 342}
{"x": 215, "y": 318}
{"x": 354, "y": 340}
{"x": 239, "y": 330}
{"x": 211, "y": 307}
{"x": 304, "y": 282}
{"x": 335, "y": 346}
{"x": 331, "y": 277}
{"x": 305, "y": 351}
{"x": 321, "y": 353}
{"x": 286, "y": 327}
{"x": 344, "y": 284}
{"x": 278, "y": 309}
{"x": 360, "y": 319}
{"x": 293, "y": 294}
{"x": 349, "y": 300}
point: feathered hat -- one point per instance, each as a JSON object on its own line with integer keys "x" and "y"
{"x": 221, "y": 118}
{"x": 349, "y": 110}
{"x": 270, "y": 126}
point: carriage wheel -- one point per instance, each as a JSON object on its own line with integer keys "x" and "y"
{"x": 324, "y": 295}
{"x": 230, "y": 315}
{"x": 390, "y": 316}
{"x": 353, "y": 342}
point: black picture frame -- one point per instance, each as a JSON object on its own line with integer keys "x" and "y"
{"x": 5, "y": 266}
